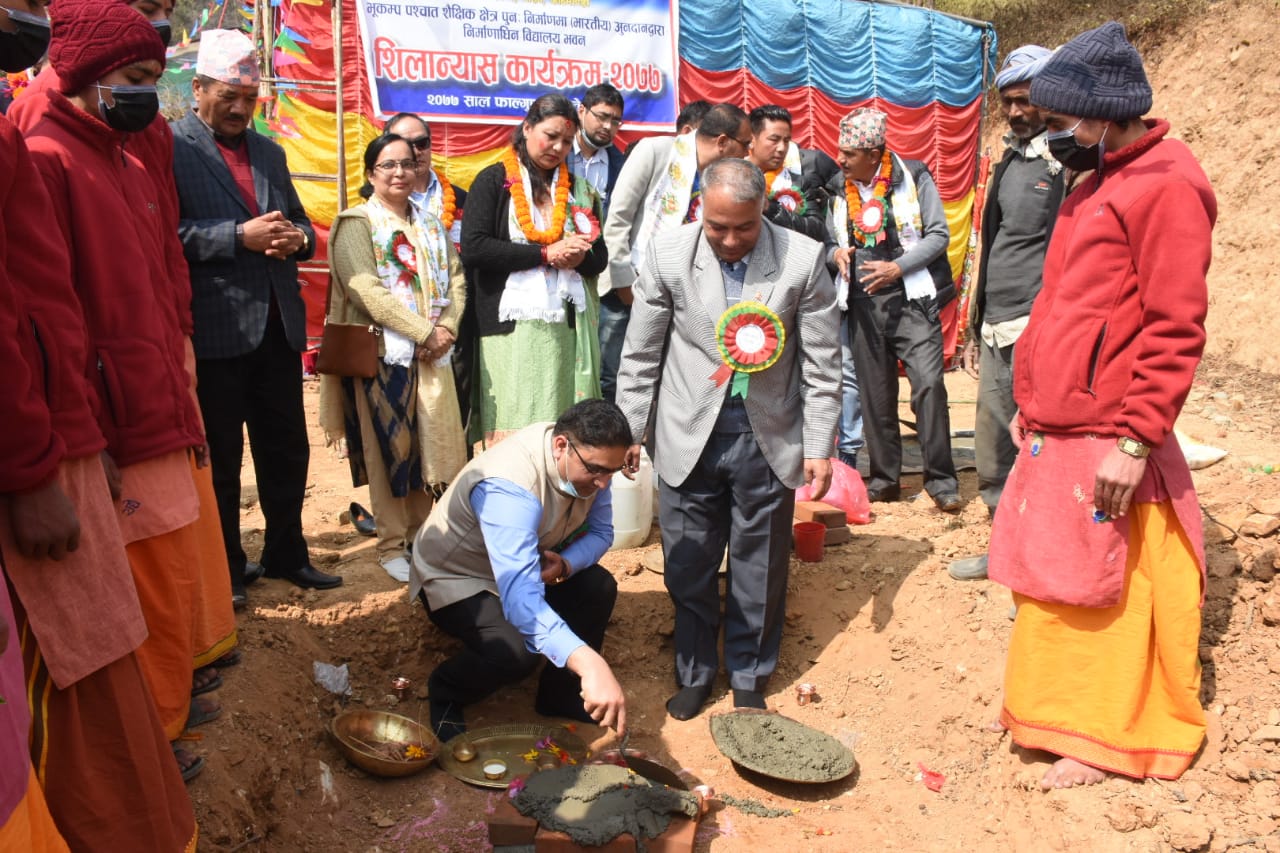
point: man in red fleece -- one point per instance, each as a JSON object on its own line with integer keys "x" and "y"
{"x": 1102, "y": 667}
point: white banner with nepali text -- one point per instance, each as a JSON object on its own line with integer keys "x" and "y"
{"x": 485, "y": 61}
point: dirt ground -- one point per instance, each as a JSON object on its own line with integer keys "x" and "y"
{"x": 908, "y": 663}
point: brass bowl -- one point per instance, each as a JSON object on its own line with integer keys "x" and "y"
{"x": 357, "y": 732}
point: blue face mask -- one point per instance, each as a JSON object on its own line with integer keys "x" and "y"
{"x": 564, "y": 484}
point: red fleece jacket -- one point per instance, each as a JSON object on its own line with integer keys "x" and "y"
{"x": 1118, "y": 329}
{"x": 44, "y": 400}
{"x": 111, "y": 217}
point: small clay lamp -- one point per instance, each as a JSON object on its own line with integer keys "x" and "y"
{"x": 494, "y": 769}
{"x": 400, "y": 685}
{"x": 805, "y": 693}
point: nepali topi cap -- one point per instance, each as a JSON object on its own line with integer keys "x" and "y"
{"x": 228, "y": 56}
{"x": 863, "y": 128}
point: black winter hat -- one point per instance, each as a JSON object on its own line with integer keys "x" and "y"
{"x": 1098, "y": 74}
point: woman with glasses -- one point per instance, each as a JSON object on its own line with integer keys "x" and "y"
{"x": 531, "y": 238}
{"x": 394, "y": 267}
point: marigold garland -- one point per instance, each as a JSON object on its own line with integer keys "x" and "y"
{"x": 560, "y": 203}
{"x": 448, "y": 201}
{"x": 853, "y": 198}
{"x": 769, "y": 178}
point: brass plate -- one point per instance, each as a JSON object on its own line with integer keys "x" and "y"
{"x": 775, "y": 755}
{"x": 509, "y": 744}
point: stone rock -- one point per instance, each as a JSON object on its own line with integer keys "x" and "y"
{"x": 844, "y": 585}
{"x": 1266, "y": 733}
{"x": 1266, "y": 798}
{"x": 1263, "y": 566}
{"x": 1188, "y": 832}
{"x": 1269, "y": 610}
{"x": 1266, "y": 506}
{"x": 1259, "y": 525}
{"x": 1236, "y": 769}
{"x": 1123, "y": 817}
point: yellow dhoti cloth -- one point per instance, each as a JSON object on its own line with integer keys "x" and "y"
{"x": 1117, "y": 688}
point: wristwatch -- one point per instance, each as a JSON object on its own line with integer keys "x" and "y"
{"x": 1133, "y": 447}
{"x": 306, "y": 241}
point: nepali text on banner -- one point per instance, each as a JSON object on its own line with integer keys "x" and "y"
{"x": 487, "y": 60}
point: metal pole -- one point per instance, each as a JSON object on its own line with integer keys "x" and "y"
{"x": 338, "y": 105}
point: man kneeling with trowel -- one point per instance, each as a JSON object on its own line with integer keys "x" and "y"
{"x": 506, "y": 563}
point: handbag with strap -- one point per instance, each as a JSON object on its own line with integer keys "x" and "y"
{"x": 347, "y": 349}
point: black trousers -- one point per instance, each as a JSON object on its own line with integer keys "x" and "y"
{"x": 262, "y": 390}
{"x": 494, "y": 653}
{"x": 884, "y": 329}
{"x": 732, "y": 497}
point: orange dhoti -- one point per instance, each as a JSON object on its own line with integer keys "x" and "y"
{"x": 1117, "y": 688}
{"x": 214, "y": 626}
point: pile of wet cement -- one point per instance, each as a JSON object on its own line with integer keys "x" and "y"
{"x": 595, "y": 803}
{"x": 781, "y": 747}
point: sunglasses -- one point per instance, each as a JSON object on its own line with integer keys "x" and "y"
{"x": 422, "y": 143}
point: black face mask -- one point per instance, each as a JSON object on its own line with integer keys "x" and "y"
{"x": 135, "y": 107}
{"x": 164, "y": 30}
{"x": 24, "y": 47}
{"x": 1070, "y": 153}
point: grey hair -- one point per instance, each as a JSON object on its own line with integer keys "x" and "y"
{"x": 743, "y": 180}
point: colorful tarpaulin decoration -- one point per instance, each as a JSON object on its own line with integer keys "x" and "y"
{"x": 751, "y": 339}
{"x": 817, "y": 58}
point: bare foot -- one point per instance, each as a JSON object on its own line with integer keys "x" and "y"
{"x": 996, "y": 727}
{"x": 1067, "y": 773}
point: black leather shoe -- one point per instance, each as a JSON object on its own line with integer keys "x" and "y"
{"x": 885, "y": 495}
{"x": 308, "y": 577}
{"x": 252, "y": 571}
{"x": 238, "y": 598}
{"x": 948, "y": 502}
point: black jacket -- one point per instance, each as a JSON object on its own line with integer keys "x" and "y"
{"x": 489, "y": 255}
{"x": 991, "y": 219}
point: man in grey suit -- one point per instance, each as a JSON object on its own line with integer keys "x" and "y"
{"x": 730, "y": 445}
{"x": 243, "y": 230}
{"x": 646, "y": 201}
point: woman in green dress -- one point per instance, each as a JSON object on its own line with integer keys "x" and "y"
{"x": 532, "y": 244}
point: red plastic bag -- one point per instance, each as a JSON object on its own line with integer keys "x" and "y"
{"x": 847, "y": 492}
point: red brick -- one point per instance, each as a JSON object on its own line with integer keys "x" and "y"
{"x": 838, "y": 535}
{"x": 678, "y": 838}
{"x": 507, "y": 827}
{"x": 820, "y": 512}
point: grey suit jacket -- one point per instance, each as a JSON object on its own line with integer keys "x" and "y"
{"x": 231, "y": 287}
{"x": 671, "y": 352}
{"x": 641, "y": 173}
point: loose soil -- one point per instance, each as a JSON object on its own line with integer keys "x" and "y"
{"x": 908, "y": 663}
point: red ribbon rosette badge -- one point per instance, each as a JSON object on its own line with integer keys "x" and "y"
{"x": 404, "y": 253}
{"x": 750, "y": 338}
{"x": 585, "y": 222}
{"x": 791, "y": 200}
{"x": 871, "y": 221}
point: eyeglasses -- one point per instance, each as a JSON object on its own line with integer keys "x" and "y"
{"x": 422, "y": 143}
{"x": 593, "y": 470}
{"x": 746, "y": 146}
{"x": 607, "y": 118}
{"x": 393, "y": 165}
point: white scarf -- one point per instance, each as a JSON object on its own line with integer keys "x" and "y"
{"x": 539, "y": 293}
{"x": 668, "y": 206}
{"x": 425, "y": 249}
{"x": 789, "y": 175}
{"x": 432, "y": 200}
{"x": 910, "y": 224}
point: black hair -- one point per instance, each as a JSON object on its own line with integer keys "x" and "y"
{"x": 371, "y": 154}
{"x": 692, "y": 114}
{"x": 594, "y": 423}
{"x": 722, "y": 120}
{"x": 769, "y": 112}
{"x": 547, "y": 106}
{"x": 603, "y": 93}
{"x": 400, "y": 116}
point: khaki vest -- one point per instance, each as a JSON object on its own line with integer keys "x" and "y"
{"x": 450, "y": 558}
